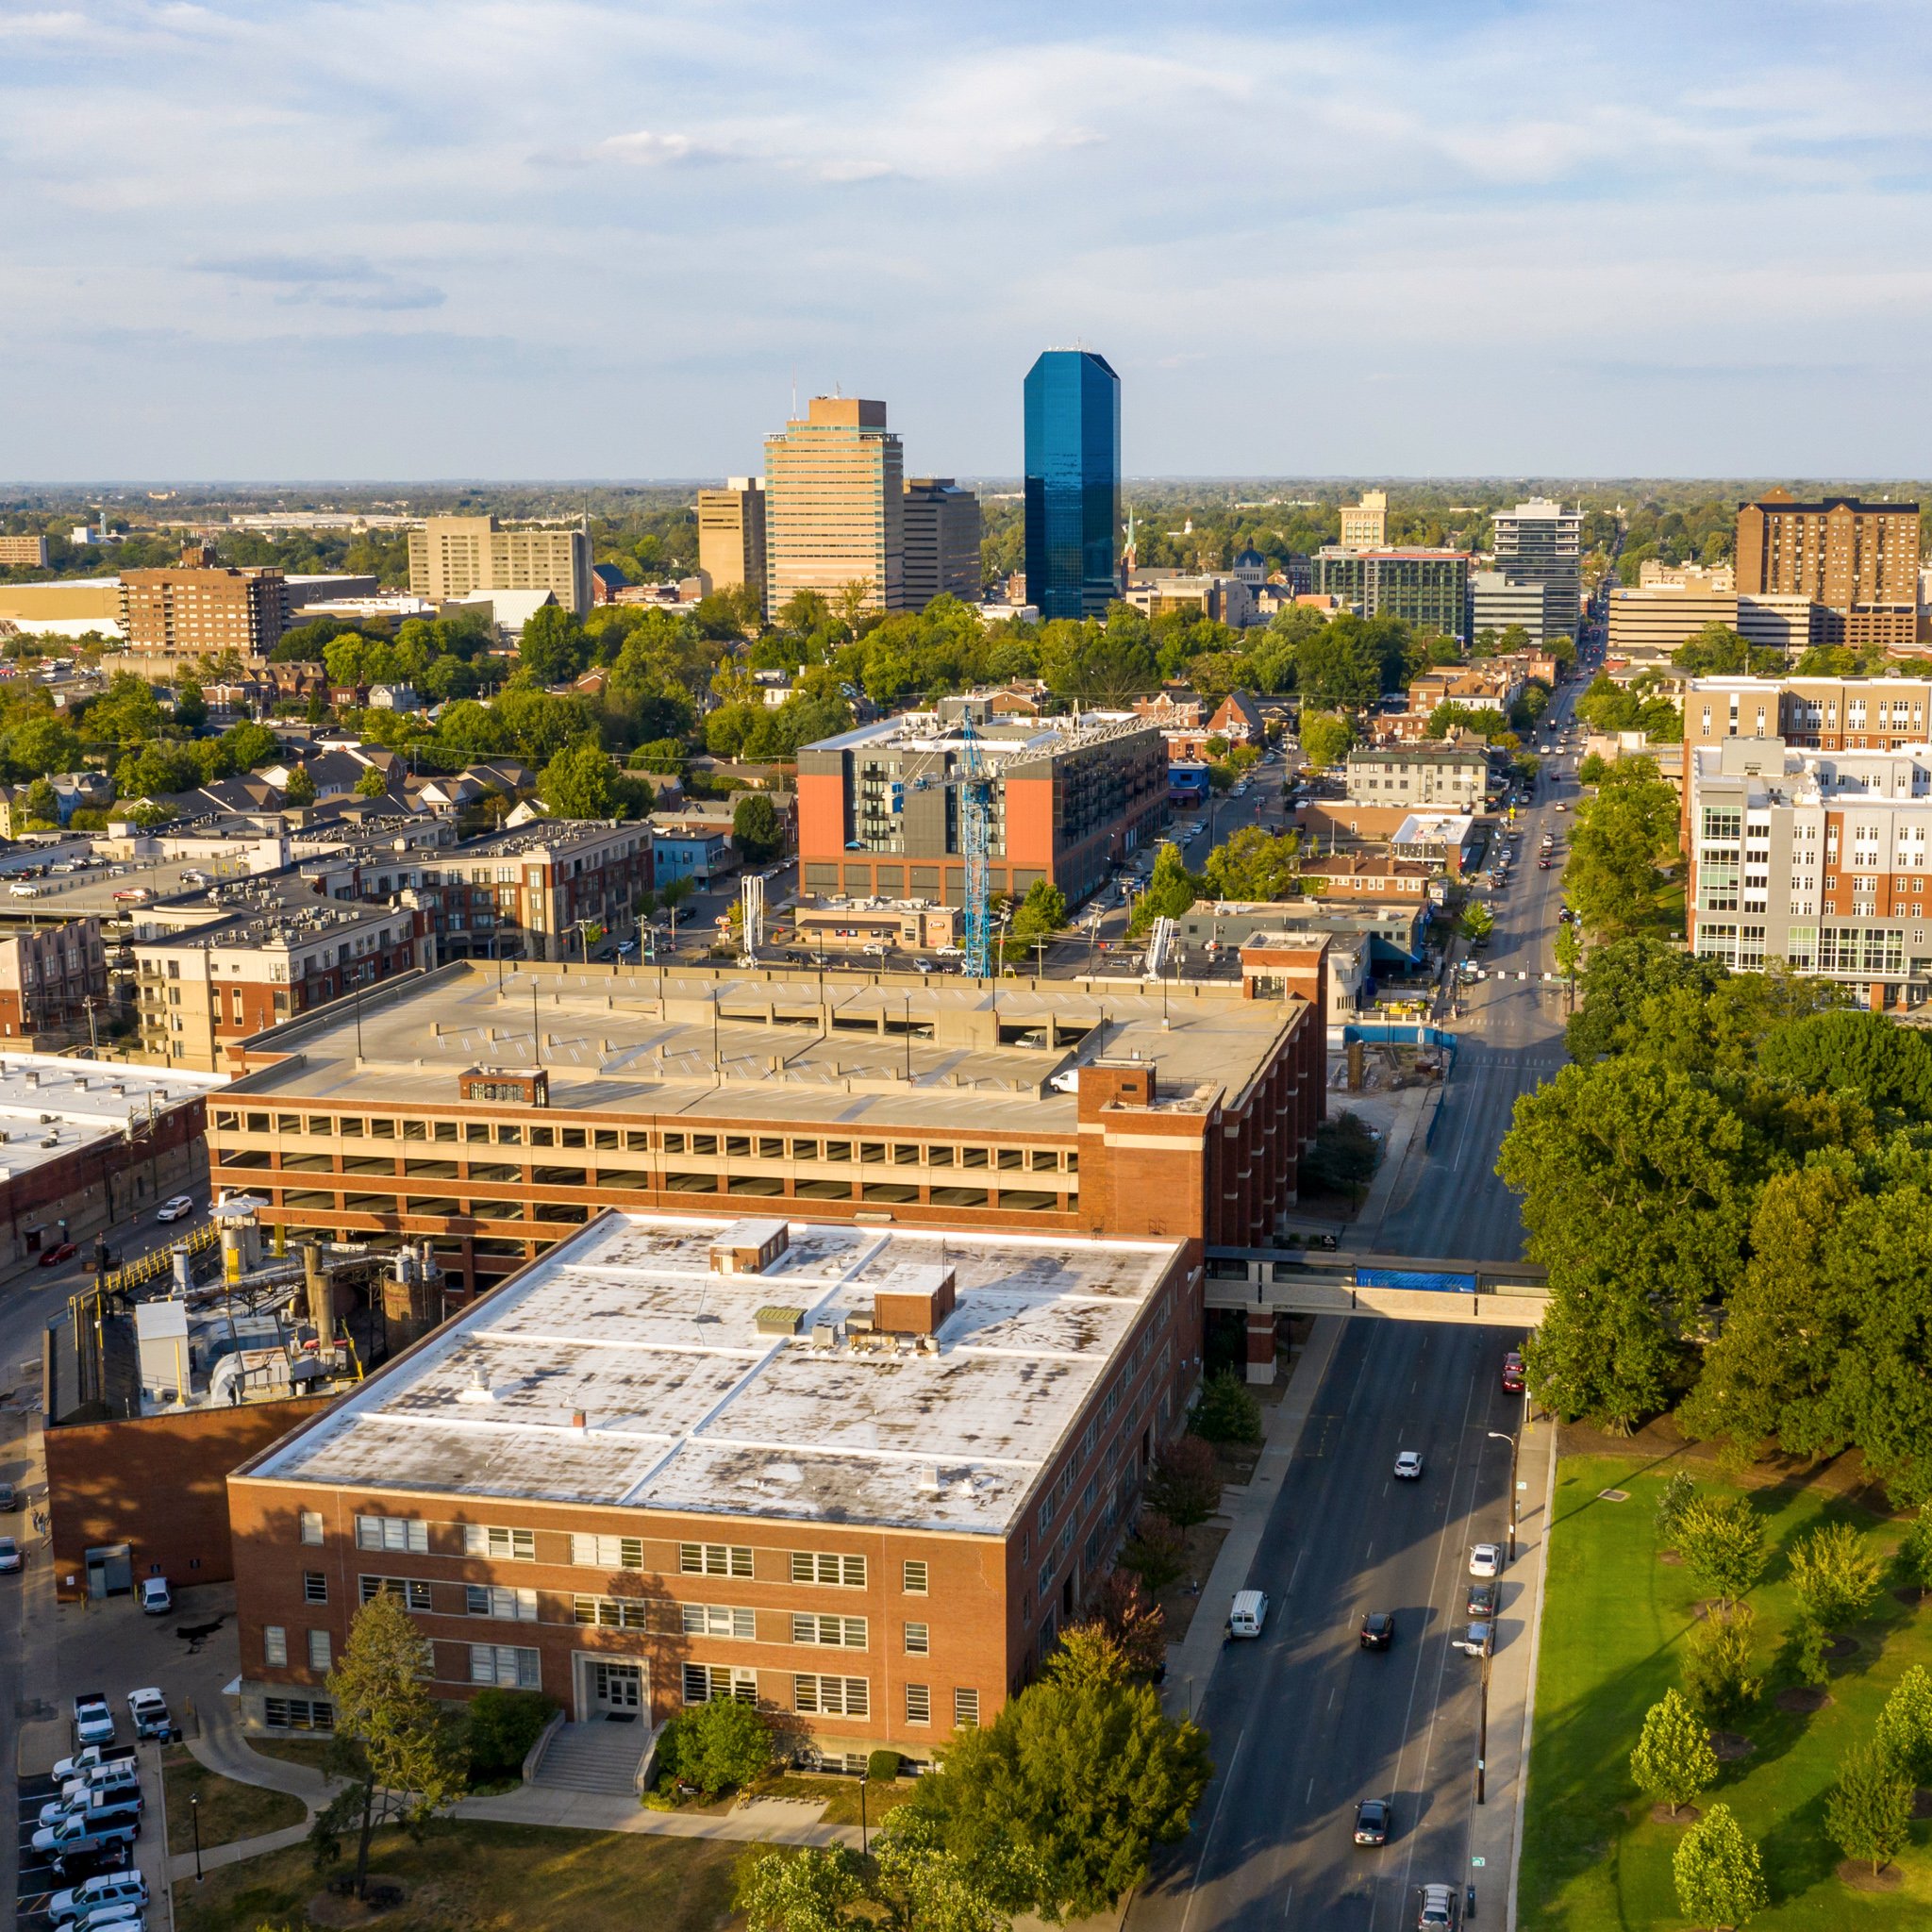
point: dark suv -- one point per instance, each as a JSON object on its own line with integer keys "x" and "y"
{"x": 1378, "y": 1629}
{"x": 1481, "y": 1601}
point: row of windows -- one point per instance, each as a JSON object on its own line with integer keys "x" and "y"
{"x": 497, "y": 1543}
{"x": 1014, "y": 1200}
{"x": 636, "y": 1140}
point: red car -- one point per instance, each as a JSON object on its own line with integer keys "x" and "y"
{"x": 1512, "y": 1374}
{"x": 64, "y": 1250}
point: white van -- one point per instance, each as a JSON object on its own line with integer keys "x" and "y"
{"x": 1250, "y": 1612}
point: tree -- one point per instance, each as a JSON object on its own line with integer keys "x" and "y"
{"x": 300, "y": 790}
{"x": 1228, "y": 1411}
{"x": 755, "y": 827}
{"x": 1569, "y": 954}
{"x": 1621, "y": 979}
{"x": 551, "y": 648}
{"x": 372, "y": 784}
{"x": 1073, "y": 1784}
{"x": 1719, "y": 1674}
{"x": 1718, "y": 1872}
{"x": 1673, "y": 1762}
{"x": 1716, "y": 651}
{"x": 1185, "y": 1486}
{"x": 1868, "y": 1813}
{"x": 1623, "y": 836}
{"x": 719, "y": 1746}
{"x": 1678, "y": 1494}
{"x": 1129, "y": 1615}
{"x": 1835, "y": 1576}
{"x": 1253, "y": 866}
{"x": 500, "y": 1726}
{"x": 391, "y": 1740}
{"x": 39, "y": 746}
{"x": 1326, "y": 737}
{"x": 249, "y": 744}
{"x": 1724, "y": 1546}
{"x": 797, "y": 1891}
{"x": 1914, "y": 1554}
{"x": 579, "y": 783}
{"x": 1157, "y": 1551}
{"x": 1477, "y": 922}
{"x": 1904, "y": 1733}
{"x": 1171, "y": 889}
{"x": 1039, "y": 916}
{"x": 39, "y": 804}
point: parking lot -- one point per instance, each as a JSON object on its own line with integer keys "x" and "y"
{"x": 37, "y": 1879}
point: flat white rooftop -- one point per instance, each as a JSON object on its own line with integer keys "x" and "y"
{"x": 50, "y": 1104}
{"x": 686, "y": 1407}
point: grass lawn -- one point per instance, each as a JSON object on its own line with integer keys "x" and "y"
{"x": 310, "y": 1751}
{"x": 483, "y": 1877}
{"x": 840, "y": 1795}
{"x": 228, "y": 1810}
{"x": 1614, "y": 1620}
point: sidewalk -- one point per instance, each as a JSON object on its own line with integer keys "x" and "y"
{"x": 1191, "y": 1662}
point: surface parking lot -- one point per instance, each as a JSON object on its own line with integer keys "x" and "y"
{"x": 36, "y": 1878}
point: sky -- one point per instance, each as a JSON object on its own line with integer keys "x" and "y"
{"x": 439, "y": 239}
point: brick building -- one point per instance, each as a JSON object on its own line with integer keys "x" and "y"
{"x": 198, "y": 607}
{"x": 1453, "y": 777}
{"x": 497, "y": 1111}
{"x": 1859, "y": 561}
{"x": 859, "y": 1475}
{"x": 879, "y": 807}
{"x": 46, "y": 977}
{"x": 528, "y": 892}
{"x": 1810, "y": 714}
{"x": 1370, "y": 876}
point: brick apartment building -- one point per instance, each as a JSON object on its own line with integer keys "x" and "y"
{"x": 497, "y": 1111}
{"x": 529, "y": 892}
{"x": 879, "y": 807}
{"x": 47, "y": 976}
{"x": 1368, "y": 876}
{"x": 1810, "y": 714}
{"x": 859, "y": 1475}
{"x": 1449, "y": 778}
{"x": 200, "y": 607}
{"x": 1859, "y": 561}
{"x": 210, "y": 985}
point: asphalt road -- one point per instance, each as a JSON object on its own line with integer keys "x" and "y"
{"x": 1303, "y": 1722}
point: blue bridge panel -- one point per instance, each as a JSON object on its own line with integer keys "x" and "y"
{"x": 1432, "y": 1279}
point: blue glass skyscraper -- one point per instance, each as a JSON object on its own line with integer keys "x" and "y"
{"x": 1073, "y": 484}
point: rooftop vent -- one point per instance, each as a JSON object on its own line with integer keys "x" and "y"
{"x": 773, "y": 1320}
{"x": 480, "y": 1389}
{"x": 913, "y": 1300}
{"x": 749, "y": 1247}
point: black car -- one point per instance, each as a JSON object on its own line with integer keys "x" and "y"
{"x": 1378, "y": 1629}
{"x": 1371, "y": 1822}
{"x": 1481, "y": 1602}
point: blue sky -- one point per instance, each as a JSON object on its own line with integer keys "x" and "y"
{"x": 462, "y": 238}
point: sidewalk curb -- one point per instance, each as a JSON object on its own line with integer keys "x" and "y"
{"x": 1535, "y": 1639}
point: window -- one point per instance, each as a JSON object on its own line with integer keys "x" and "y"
{"x": 511, "y": 1546}
{"x": 826, "y": 1566}
{"x": 844, "y": 1633}
{"x": 717, "y": 1620}
{"x": 613, "y": 1612}
{"x": 309, "y": 1526}
{"x": 831, "y": 1696}
{"x": 393, "y": 1533}
{"x": 607, "y": 1552}
{"x": 919, "y": 1704}
{"x": 298, "y": 1714}
{"x": 275, "y": 1646}
{"x": 918, "y": 1640}
{"x": 912, "y": 1577}
{"x": 966, "y": 1710}
{"x": 714, "y": 1559}
{"x": 494, "y": 1600}
{"x": 314, "y": 1586}
{"x": 412, "y": 1592}
{"x": 708, "y": 1683}
{"x": 318, "y": 1650}
{"x": 512, "y": 1666}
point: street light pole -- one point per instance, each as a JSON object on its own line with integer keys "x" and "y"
{"x": 864, "y": 1777}
{"x": 1503, "y": 1436}
{"x": 195, "y": 1814}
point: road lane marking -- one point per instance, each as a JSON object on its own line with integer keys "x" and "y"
{"x": 1370, "y": 1551}
{"x": 1207, "y": 1842}
{"x": 1331, "y": 1697}
{"x": 1307, "y": 1796}
{"x": 1287, "y": 1901}
{"x": 1296, "y": 1570}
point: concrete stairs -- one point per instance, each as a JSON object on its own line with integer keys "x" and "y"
{"x": 594, "y": 1757}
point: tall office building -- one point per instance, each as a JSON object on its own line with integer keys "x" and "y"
{"x": 1073, "y": 484}
{"x": 1542, "y": 542}
{"x": 1365, "y": 524}
{"x": 942, "y": 542}
{"x": 731, "y": 534}
{"x": 461, "y": 557}
{"x": 835, "y": 505}
{"x": 1858, "y": 561}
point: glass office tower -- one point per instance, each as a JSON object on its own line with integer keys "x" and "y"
{"x": 1073, "y": 484}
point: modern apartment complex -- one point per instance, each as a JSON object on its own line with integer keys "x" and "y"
{"x": 878, "y": 806}
{"x": 1072, "y": 485}
{"x": 942, "y": 536}
{"x": 859, "y": 1475}
{"x": 453, "y": 558}
{"x": 1817, "y": 858}
{"x": 1428, "y": 589}
{"x": 198, "y": 607}
{"x": 47, "y": 977}
{"x": 1541, "y": 543}
{"x": 1859, "y": 561}
{"x": 1497, "y": 601}
{"x": 495, "y": 1110}
{"x": 1450, "y": 779}
{"x": 1365, "y": 524}
{"x": 731, "y": 535}
{"x": 835, "y": 497}
{"x": 1811, "y": 713}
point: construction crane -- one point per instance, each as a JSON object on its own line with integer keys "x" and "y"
{"x": 973, "y": 784}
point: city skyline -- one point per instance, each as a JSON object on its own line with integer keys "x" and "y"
{"x": 591, "y": 241}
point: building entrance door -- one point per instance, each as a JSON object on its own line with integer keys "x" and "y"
{"x": 616, "y": 1690}
{"x": 110, "y": 1570}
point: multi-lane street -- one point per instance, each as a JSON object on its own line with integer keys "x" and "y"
{"x": 1305, "y": 1723}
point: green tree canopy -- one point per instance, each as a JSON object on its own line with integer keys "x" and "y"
{"x": 1325, "y": 737}
{"x": 1868, "y": 1813}
{"x": 1719, "y": 1872}
{"x": 755, "y": 827}
{"x": 1171, "y": 889}
{"x": 1673, "y": 1762}
{"x": 1040, "y": 914}
{"x": 1253, "y": 865}
{"x": 1623, "y": 836}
